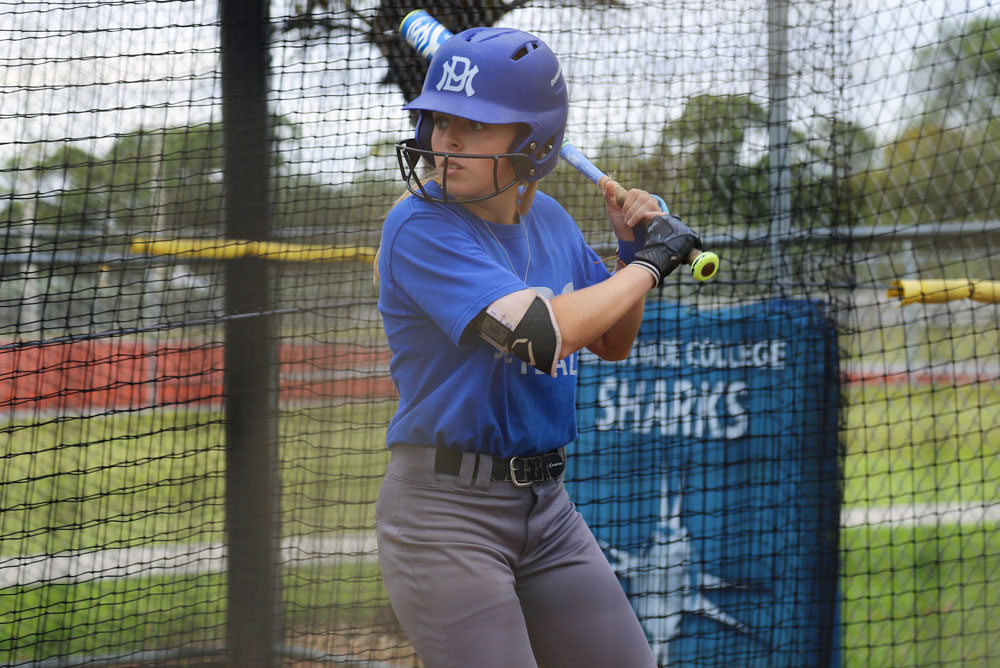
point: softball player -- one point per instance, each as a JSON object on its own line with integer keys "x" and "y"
{"x": 487, "y": 291}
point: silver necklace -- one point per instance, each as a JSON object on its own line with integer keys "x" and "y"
{"x": 527, "y": 242}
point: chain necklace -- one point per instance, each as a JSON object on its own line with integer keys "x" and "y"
{"x": 527, "y": 242}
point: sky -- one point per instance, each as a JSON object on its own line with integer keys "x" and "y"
{"x": 90, "y": 70}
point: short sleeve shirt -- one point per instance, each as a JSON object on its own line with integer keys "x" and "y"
{"x": 440, "y": 265}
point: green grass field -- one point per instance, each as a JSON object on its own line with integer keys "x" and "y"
{"x": 920, "y": 596}
{"x": 157, "y": 479}
{"x": 116, "y": 616}
{"x": 921, "y": 445}
{"x": 912, "y": 596}
{"x": 118, "y": 481}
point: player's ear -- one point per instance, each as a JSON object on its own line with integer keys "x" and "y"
{"x": 526, "y": 196}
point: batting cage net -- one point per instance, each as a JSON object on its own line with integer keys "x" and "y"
{"x": 796, "y": 466}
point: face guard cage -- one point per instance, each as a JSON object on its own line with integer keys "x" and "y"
{"x": 409, "y": 157}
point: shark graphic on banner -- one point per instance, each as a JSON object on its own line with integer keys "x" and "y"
{"x": 666, "y": 580}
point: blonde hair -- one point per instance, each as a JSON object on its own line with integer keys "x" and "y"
{"x": 524, "y": 201}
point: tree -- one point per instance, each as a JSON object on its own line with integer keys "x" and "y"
{"x": 52, "y": 186}
{"x": 963, "y": 84}
{"x": 150, "y": 180}
{"x": 710, "y": 135}
{"x": 145, "y": 178}
{"x": 380, "y": 26}
{"x": 933, "y": 174}
{"x": 946, "y": 163}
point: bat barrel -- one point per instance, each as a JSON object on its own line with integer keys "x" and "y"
{"x": 423, "y": 32}
{"x": 579, "y": 161}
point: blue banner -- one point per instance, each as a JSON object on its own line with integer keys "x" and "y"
{"x": 707, "y": 466}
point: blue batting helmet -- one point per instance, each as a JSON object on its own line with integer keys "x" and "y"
{"x": 498, "y": 76}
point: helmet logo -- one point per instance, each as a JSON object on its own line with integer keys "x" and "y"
{"x": 556, "y": 77}
{"x": 458, "y": 75}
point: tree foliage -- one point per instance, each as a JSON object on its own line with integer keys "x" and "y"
{"x": 962, "y": 74}
{"x": 945, "y": 164}
{"x": 711, "y": 165}
{"x": 932, "y": 174}
{"x": 164, "y": 181}
{"x": 143, "y": 179}
{"x": 379, "y": 25}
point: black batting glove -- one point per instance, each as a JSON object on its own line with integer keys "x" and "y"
{"x": 668, "y": 244}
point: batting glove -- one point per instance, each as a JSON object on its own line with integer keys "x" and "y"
{"x": 668, "y": 243}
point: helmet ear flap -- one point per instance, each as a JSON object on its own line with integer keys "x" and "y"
{"x": 523, "y": 168}
{"x": 425, "y": 127}
{"x": 527, "y": 155}
{"x": 409, "y": 153}
{"x": 538, "y": 157}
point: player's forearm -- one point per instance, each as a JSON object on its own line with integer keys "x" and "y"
{"x": 616, "y": 343}
{"x": 605, "y": 316}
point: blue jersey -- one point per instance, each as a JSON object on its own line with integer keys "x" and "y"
{"x": 439, "y": 267}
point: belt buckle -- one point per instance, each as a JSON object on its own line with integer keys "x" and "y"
{"x": 513, "y": 474}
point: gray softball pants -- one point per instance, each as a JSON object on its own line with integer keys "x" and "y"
{"x": 484, "y": 574}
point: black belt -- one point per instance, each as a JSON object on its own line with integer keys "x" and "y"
{"x": 522, "y": 471}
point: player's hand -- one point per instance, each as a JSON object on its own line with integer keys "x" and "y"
{"x": 628, "y": 220}
{"x": 668, "y": 243}
{"x": 637, "y": 208}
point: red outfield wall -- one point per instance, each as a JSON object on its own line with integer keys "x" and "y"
{"x": 113, "y": 375}
{"x": 117, "y": 375}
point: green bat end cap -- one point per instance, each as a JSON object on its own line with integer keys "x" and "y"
{"x": 705, "y": 266}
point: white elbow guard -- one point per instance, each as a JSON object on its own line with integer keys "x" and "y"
{"x": 522, "y": 324}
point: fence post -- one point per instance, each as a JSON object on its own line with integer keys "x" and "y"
{"x": 779, "y": 176}
{"x": 253, "y": 621}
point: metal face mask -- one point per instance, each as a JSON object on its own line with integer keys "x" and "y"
{"x": 408, "y": 155}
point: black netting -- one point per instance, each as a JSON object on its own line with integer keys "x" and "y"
{"x": 803, "y": 449}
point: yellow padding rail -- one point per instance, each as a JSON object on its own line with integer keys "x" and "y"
{"x": 232, "y": 249}
{"x": 940, "y": 290}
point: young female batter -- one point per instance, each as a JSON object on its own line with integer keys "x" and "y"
{"x": 487, "y": 291}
